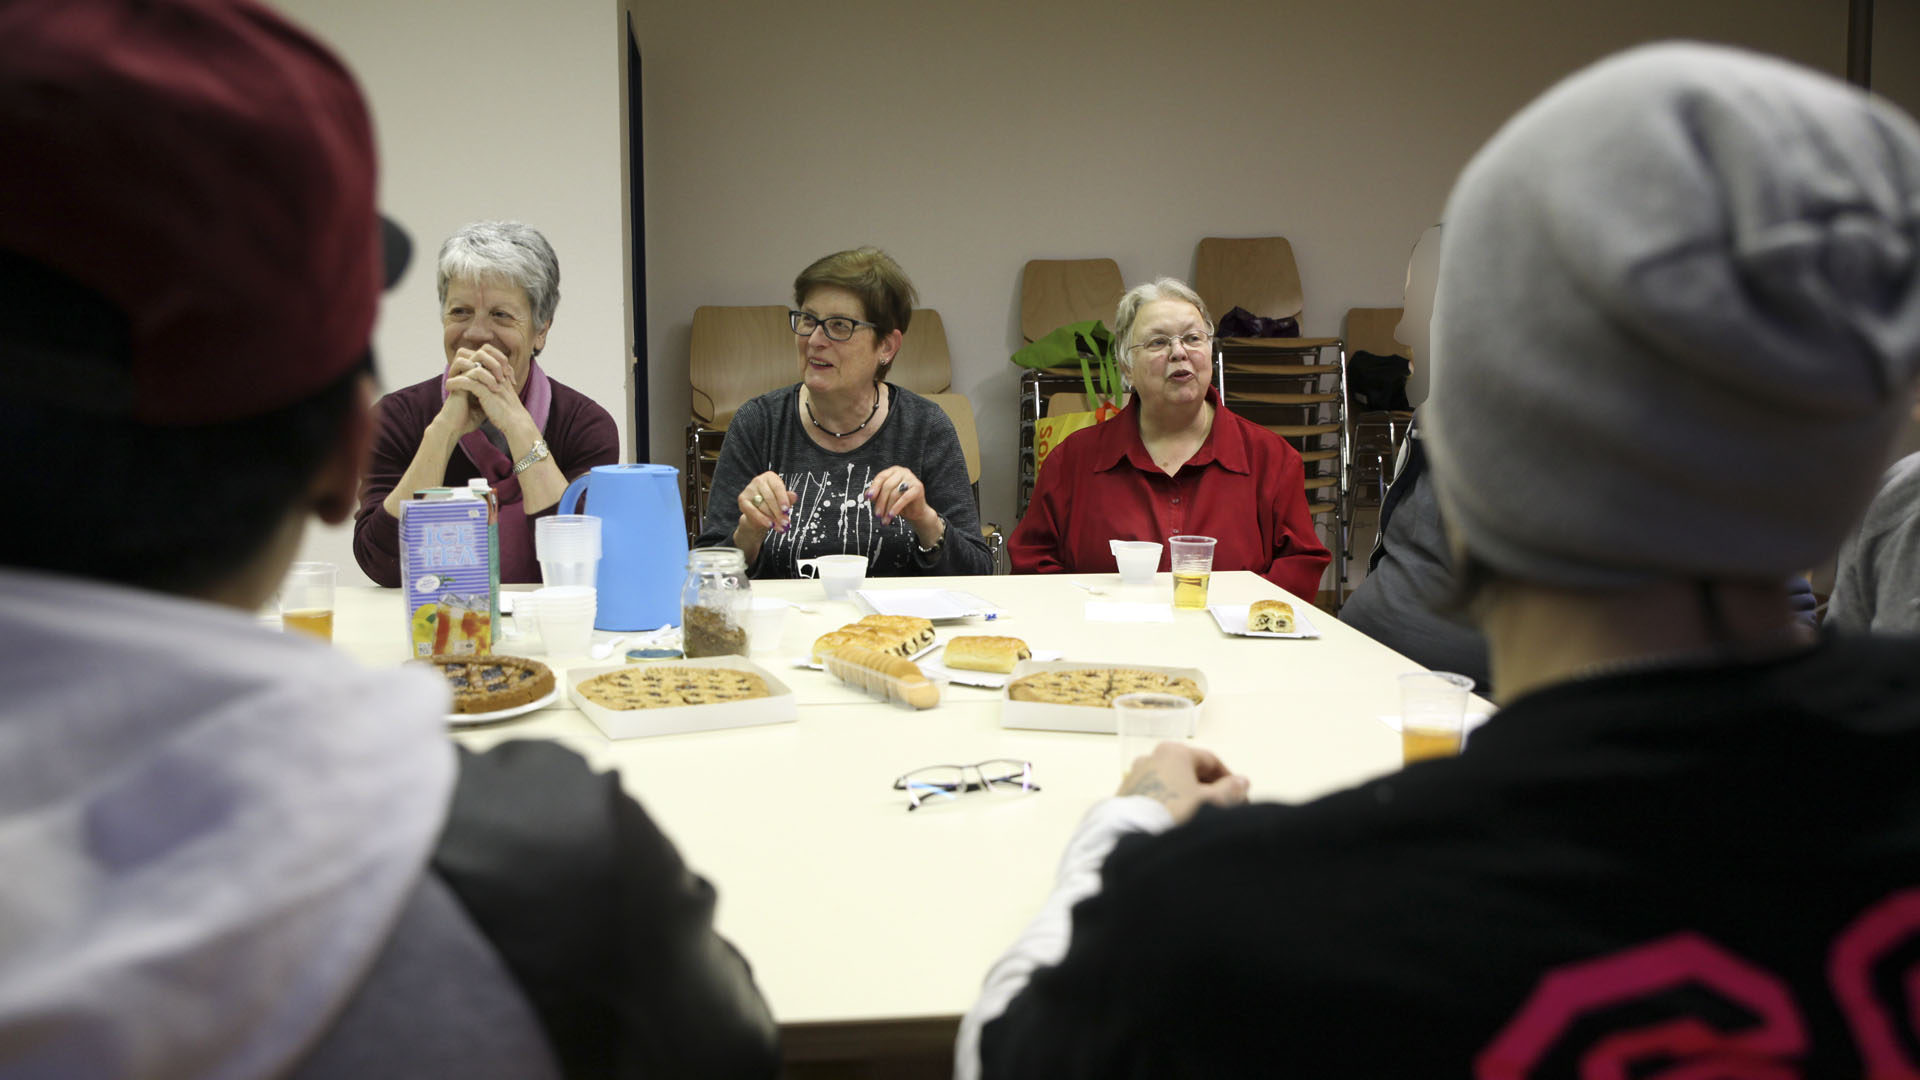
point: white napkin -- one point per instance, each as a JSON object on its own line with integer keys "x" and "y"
{"x": 1127, "y": 611}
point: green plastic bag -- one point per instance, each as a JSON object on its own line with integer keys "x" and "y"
{"x": 1089, "y": 344}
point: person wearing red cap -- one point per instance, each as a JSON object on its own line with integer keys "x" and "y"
{"x": 232, "y": 852}
{"x": 494, "y": 413}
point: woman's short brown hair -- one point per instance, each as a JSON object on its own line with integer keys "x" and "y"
{"x": 871, "y": 275}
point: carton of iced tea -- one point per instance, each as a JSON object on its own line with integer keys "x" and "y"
{"x": 450, "y": 569}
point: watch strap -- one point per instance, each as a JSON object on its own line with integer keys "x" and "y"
{"x": 535, "y": 455}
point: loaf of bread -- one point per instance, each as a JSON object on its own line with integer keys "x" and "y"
{"x": 982, "y": 653}
{"x": 882, "y": 675}
{"x": 1273, "y": 616}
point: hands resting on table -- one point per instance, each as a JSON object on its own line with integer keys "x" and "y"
{"x": 1183, "y": 777}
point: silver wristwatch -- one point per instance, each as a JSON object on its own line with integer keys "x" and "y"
{"x": 536, "y": 454}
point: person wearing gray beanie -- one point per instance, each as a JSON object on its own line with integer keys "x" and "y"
{"x": 1678, "y": 317}
{"x": 1678, "y": 321}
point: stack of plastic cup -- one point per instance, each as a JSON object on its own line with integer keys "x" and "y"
{"x": 565, "y": 614}
{"x": 568, "y": 547}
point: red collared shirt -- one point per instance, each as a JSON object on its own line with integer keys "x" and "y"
{"x": 1244, "y": 487}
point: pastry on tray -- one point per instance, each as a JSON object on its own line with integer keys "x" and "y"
{"x": 484, "y": 684}
{"x": 1271, "y": 616}
{"x": 1097, "y": 687}
{"x": 661, "y": 686}
{"x": 982, "y": 653}
{"x": 898, "y": 635}
{"x": 868, "y": 636}
{"x": 917, "y": 632}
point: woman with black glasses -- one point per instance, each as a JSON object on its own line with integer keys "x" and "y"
{"x": 842, "y": 462}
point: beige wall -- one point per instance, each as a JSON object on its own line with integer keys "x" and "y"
{"x": 966, "y": 138}
{"x": 494, "y": 109}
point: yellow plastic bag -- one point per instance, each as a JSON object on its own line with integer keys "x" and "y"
{"x": 1051, "y": 431}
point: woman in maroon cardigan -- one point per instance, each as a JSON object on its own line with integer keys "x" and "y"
{"x": 493, "y": 413}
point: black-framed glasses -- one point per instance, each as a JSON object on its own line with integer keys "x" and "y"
{"x": 1162, "y": 346}
{"x": 838, "y": 327}
{"x": 944, "y": 783}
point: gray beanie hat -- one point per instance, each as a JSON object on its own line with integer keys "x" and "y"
{"x": 1677, "y": 320}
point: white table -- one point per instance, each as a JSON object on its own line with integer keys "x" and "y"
{"x": 868, "y": 924}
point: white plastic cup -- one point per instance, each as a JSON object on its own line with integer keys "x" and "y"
{"x": 565, "y": 614}
{"x": 1138, "y": 560}
{"x": 1146, "y": 719}
{"x": 838, "y": 574}
{"x": 568, "y": 547}
{"x": 766, "y": 618}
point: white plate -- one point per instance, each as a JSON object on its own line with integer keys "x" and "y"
{"x": 469, "y": 719}
{"x": 992, "y": 680}
{"x": 938, "y": 605}
{"x": 1233, "y": 620}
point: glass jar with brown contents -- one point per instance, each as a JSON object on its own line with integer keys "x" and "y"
{"x": 714, "y": 603}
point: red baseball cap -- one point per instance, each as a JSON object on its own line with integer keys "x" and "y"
{"x": 206, "y": 169}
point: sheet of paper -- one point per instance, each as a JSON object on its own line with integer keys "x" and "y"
{"x": 936, "y": 604}
{"x": 1127, "y": 611}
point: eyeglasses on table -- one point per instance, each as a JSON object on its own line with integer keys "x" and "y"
{"x": 939, "y": 784}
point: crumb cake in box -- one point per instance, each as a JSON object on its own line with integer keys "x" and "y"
{"x": 627, "y": 701}
{"x": 1072, "y": 695}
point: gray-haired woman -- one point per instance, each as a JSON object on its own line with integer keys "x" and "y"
{"x": 493, "y": 413}
{"x": 1174, "y": 461}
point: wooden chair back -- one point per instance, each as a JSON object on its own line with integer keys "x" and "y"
{"x": 737, "y": 354}
{"x": 1055, "y": 292}
{"x": 924, "y": 364}
{"x": 960, "y": 411}
{"x": 1371, "y": 330}
{"x": 1256, "y": 273}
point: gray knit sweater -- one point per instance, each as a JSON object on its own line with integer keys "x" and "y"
{"x": 1877, "y": 584}
{"x": 767, "y": 435}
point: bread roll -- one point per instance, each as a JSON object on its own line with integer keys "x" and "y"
{"x": 915, "y": 631}
{"x": 1272, "y": 616}
{"x": 982, "y": 653}
{"x": 870, "y": 636}
{"x": 882, "y": 675}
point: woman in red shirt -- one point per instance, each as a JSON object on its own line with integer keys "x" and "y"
{"x": 1174, "y": 462}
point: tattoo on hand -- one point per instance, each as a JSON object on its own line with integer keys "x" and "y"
{"x": 1150, "y": 786}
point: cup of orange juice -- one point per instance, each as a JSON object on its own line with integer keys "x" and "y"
{"x": 306, "y": 599}
{"x": 1433, "y": 714}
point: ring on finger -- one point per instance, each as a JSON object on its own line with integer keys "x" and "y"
{"x": 759, "y": 500}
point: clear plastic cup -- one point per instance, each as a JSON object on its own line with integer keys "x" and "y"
{"x": 306, "y": 598}
{"x": 568, "y": 547}
{"x": 1192, "y": 561}
{"x": 1146, "y": 719}
{"x": 1433, "y": 714}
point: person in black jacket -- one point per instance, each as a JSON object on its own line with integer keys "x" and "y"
{"x": 1689, "y": 843}
{"x": 230, "y": 851}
